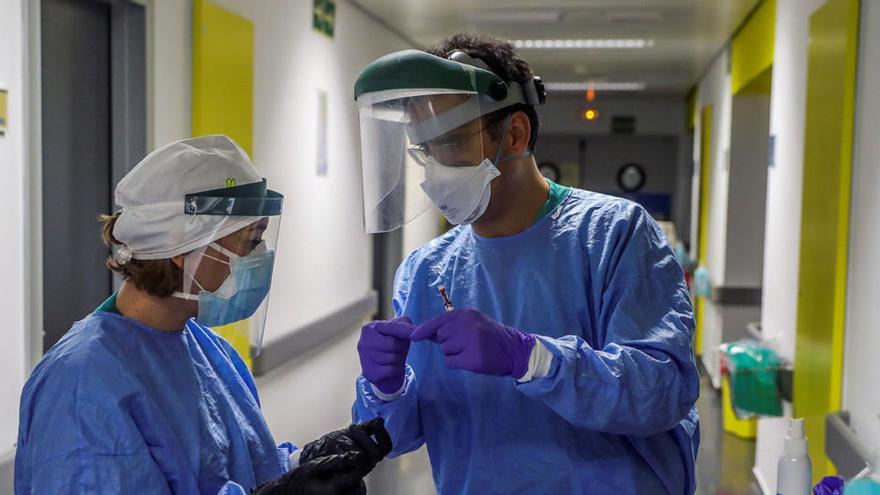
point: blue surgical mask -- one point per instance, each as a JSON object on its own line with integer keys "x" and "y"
{"x": 243, "y": 291}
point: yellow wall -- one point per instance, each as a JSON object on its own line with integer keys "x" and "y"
{"x": 703, "y": 226}
{"x": 762, "y": 84}
{"x": 223, "y": 74}
{"x": 751, "y": 50}
{"x": 222, "y": 98}
{"x": 831, "y": 77}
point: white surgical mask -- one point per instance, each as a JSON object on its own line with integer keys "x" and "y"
{"x": 462, "y": 193}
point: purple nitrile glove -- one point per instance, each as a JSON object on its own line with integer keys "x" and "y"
{"x": 830, "y": 485}
{"x": 383, "y": 348}
{"x": 472, "y": 341}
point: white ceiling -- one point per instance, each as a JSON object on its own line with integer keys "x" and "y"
{"x": 686, "y": 33}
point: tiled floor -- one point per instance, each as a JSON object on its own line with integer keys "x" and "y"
{"x": 407, "y": 475}
{"x": 724, "y": 466}
{"x": 724, "y": 463}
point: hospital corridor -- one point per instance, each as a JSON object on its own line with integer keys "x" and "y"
{"x": 422, "y": 247}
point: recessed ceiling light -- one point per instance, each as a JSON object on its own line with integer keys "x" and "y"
{"x": 596, "y": 86}
{"x": 641, "y": 16}
{"x": 514, "y": 16}
{"x": 614, "y": 43}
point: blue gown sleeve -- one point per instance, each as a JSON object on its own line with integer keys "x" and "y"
{"x": 641, "y": 378}
{"x": 401, "y": 415}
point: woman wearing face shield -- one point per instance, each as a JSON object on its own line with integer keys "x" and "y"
{"x": 141, "y": 396}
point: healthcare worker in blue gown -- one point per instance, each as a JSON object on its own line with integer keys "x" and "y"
{"x": 561, "y": 362}
{"x": 141, "y": 396}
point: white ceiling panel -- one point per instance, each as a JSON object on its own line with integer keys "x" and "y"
{"x": 685, "y": 34}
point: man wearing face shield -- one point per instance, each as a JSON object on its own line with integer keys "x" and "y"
{"x": 141, "y": 396}
{"x": 567, "y": 367}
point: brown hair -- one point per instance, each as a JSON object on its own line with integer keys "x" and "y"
{"x": 159, "y": 278}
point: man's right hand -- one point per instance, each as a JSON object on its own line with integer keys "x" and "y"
{"x": 383, "y": 348}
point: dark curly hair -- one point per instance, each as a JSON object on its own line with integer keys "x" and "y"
{"x": 505, "y": 62}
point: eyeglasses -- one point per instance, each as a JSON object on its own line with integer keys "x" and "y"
{"x": 443, "y": 147}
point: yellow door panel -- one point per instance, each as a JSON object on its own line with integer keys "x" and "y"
{"x": 831, "y": 76}
{"x": 222, "y": 97}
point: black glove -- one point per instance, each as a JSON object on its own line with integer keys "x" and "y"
{"x": 357, "y": 440}
{"x": 337, "y": 474}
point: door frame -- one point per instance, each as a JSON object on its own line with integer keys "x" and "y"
{"x": 33, "y": 159}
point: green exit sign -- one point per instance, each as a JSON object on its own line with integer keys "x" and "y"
{"x": 324, "y": 16}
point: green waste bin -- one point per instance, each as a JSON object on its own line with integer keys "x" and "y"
{"x": 753, "y": 372}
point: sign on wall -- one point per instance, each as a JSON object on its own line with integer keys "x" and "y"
{"x": 772, "y": 150}
{"x": 322, "y": 130}
{"x": 324, "y": 16}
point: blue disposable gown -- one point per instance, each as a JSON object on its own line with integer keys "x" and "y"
{"x": 118, "y": 407}
{"x": 598, "y": 283}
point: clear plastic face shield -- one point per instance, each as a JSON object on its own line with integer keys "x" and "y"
{"x": 418, "y": 147}
{"x": 230, "y": 277}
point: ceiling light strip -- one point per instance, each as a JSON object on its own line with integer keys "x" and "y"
{"x": 597, "y": 86}
{"x": 590, "y": 44}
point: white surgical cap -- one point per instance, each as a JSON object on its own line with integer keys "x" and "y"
{"x": 152, "y": 224}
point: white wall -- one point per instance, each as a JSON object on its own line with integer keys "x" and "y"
{"x": 422, "y": 228}
{"x": 303, "y": 400}
{"x": 325, "y": 258}
{"x": 715, "y": 90}
{"x": 13, "y": 362}
{"x": 784, "y": 193}
{"x": 169, "y": 71}
{"x": 861, "y": 367}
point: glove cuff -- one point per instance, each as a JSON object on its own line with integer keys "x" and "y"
{"x": 521, "y": 353}
{"x": 390, "y": 385}
{"x": 388, "y": 397}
